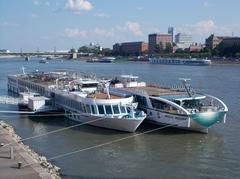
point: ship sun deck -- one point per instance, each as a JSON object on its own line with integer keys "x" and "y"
{"x": 155, "y": 91}
{"x": 100, "y": 95}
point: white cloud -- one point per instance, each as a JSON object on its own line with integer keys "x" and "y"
{"x": 47, "y": 3}
{"x": 134, "y": 27}
{"x": 140, "y": 8}
{"x": 121, "y": 28}
{"x": 74, "y": 33}
{"x": 36, "y": 2}
{"x": 40, "y": 2}
{"x": 199, "y": 28}
{"x": 206, "y": 4}
{"x": 78, "y": 5}
{"x": 33, "y": 15}
{"x": 204, "y": 26}
{"x": 103, "y": 32}
{"x": 9, "y": 24}
{"x": 202, "y": 29}
{"x": 100, "y": 14}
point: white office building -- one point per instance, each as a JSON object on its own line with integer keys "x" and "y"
{"x": 183, "y": 40}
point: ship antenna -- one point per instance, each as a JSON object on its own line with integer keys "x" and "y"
{"x": 107, "y": 89}
{"x": 186, "y": 86}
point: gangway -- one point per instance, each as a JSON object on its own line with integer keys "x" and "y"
{"x": 11, "y": 100}
{"x": 17, "y": 112}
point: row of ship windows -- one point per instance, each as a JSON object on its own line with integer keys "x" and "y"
{"x": 31, "y": 87}
{"x": 94, "y": 109}
{"x": 12, "y": 80}
{"x": 102, "y": 109}
{"x": 167, "y": 61}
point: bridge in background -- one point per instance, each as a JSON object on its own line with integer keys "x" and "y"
{"x": 70, "y": 55}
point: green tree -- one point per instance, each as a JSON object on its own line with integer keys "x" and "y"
{"x": 107, "y": 52}
{"x": 84, "y": 49}
{"x": 159, "y": 48}
{"x": 168, "y": 48}
{"x": 72, "y": 50}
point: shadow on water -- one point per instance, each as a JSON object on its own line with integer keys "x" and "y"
{"x": 63, "y": 122}
{"x": 163, "y": 129}
{"x": 67, "y": 176}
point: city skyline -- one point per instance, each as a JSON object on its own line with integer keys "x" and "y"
{"x": 63, "y": 24}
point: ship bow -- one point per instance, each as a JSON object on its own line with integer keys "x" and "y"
{"x": 208, "y": 119}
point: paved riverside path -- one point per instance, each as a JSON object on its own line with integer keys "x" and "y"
{"x": 8, "y": 166}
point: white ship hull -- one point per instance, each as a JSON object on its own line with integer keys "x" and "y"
{"x": 185, "y": 123}
{"x": 180, "y": 121}
{"x": 121, "y": 124}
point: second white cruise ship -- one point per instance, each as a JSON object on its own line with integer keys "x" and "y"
{"x": 180, "y": 107}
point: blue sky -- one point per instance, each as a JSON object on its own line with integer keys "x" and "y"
{"x": 45, "y": 24}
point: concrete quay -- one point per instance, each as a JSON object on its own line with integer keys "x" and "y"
{"x": 22, "y": 155}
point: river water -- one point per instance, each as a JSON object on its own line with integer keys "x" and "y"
{"x": 166, "y": 153}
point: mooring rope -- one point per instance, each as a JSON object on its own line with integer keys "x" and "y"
{"x": 107, "y": 143}
{"x": 18, "y": 112}
{"x": 51, "y": 132}
{"x": 29, "y": 113}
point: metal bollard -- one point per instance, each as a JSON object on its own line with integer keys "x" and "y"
{"x": 11, "y": 153}
{"x": 19, "y": 165}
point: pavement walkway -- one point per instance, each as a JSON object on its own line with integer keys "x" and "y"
{"x": 9, "y": 167}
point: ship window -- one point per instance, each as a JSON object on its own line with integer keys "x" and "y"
{"x": 88, "y": 108}
{"x": 123, "y": 109}
{"x": 128, "y": 109}
{"x": 100, "y": 109}
{"x": 158, "y": 104}
{"x": 80, "y": 106}
{"x": 108, "y": 109}
{"x": 141, "y": 100}
{"x": 84, "y": 108}
{"x": 90, "y": 85}
{"x": 191, "y": 103}
{"x": 93, "y": 109}
{"x": 115, "y": 109}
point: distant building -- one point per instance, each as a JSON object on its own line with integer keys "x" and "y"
{"x": 171, "y": 32}
{"x": 230, "y": 41}
{"x": 213, "y": 41}
{"x": 131, "y": 48}
{"x": 117, "y": 48}
{"x": 196, "y": 47}
{"x": 155, "y": 39}
{"x": 183, "y": 40}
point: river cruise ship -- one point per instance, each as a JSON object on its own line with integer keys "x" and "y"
{"x": 102, "y": 60}
{"x": 83, "y": 98}
{"x": 175, "y": 61}
{"x": 179, "y": 106}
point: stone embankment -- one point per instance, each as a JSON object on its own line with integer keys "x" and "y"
{"x": 39, "y": 163}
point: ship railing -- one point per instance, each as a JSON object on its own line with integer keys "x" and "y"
{"x": 209, "y": 104}
{"x": 213, "y": 103}
{"x": 178, "y": 87}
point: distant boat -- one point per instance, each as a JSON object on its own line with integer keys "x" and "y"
{"x": 7, "y": 56}
{"x": 27, "y": 58}
{"x": 193, "y": 61}
{"x": 107, "y": 59}
{"x": 102, "y": 60}
{"x": 92, "y": 60}
{"x": 43, "y": 61}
